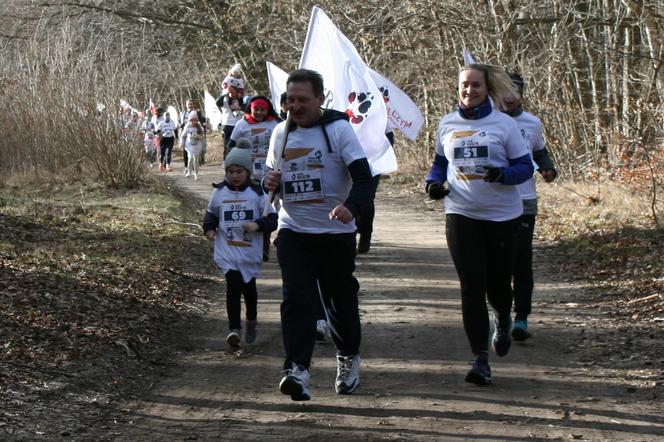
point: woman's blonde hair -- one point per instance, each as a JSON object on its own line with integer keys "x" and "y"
{"x": 498, "y": 83}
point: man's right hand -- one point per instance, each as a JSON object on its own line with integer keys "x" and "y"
{"x": 272, "y": 180}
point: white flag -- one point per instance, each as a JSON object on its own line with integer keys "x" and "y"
{"x": 348, "y": 86}
{"x": 212, "y": 112}
{"x": 468, "y": 58}
{"x": 277, "y": 79}
{"x": 173, "y": 113}
{"x": 125, "y": 104}
{"x": 402, "y": 112}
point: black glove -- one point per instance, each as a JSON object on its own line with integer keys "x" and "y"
{"x": 493, "y": 174}
{"x": 437, "y": 191}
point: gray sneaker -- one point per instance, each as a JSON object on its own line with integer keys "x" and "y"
{"x": 348, "y": 374}
{"x": 233, "y": 338}
{"x": 295, "y": 383}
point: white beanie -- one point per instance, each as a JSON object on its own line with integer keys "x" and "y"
{"x": 237, "y": 83}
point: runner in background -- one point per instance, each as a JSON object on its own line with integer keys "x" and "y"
{"x": 231, "y": 105}
{"x": 234, "y": 222}
{"x": 482, "y": 156}
{"x": 256, "y": 126}
{"x": 324, "y": 181}
{"x": 366, "y": 217}
{"x": 193, "y": 105}
{"x": 283, "y": 105}
{"x": 192, "y": 141}
{"x": 522, "y": 272}
{"x": 166, "y": 131}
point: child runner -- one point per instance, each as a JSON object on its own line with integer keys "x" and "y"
{"x": 233, "y": 221}
{"x": 192, "y": 142}
{"x": 522, "y": 271}
{"x": 232, "y": 109}
{"x": 166, "y": 131}
{"x": 193, "y": 105}
{"x": 483, "y": 156}
{"x": 259, "y": 120}
{"x": 150, "y": 147}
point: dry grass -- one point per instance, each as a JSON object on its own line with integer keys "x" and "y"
{"x": 62, "y": 112}
{"x": 610, "y": 243}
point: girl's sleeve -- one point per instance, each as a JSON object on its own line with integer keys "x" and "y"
{"x": 211, "y": 218}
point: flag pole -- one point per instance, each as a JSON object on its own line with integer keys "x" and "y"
{"x": 277, "y": 164}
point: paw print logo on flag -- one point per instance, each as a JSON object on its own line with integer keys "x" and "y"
{"x": 386, "y": 93}
{"x": 360, "y": 103}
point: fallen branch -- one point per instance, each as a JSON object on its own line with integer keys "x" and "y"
{"x": 194, "y": 225}
{"x": 645, "y": 298}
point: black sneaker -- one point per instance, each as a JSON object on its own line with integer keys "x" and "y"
{"x": 501, "y": 340}
{"x": 480, "y": 373}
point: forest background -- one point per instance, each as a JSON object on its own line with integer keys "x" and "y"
{"x": 593, "y": 70}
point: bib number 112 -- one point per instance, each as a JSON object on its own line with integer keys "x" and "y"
{"x": 302, "y": 186}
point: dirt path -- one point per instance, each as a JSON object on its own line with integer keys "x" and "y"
{"x": 415, "y": 356}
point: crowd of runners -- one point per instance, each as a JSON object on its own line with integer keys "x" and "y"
{"x": 301, "y": 171}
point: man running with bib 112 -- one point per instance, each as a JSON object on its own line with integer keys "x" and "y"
{"x": 317, "y": 167}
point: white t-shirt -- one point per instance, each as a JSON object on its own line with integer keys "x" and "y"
{"x": 192, "y": 140}
{"x": 259, "y": 135}
{"x": 531, "y": 128}
{"x": 235, "y": 249}
{"x": 230, "y": 117}
{"x": 167, "y": 128}
{"x": 314, "y": 180}
{"x": 470, "y": 146}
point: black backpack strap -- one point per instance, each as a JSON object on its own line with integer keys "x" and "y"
{"x": 327, "y": 138}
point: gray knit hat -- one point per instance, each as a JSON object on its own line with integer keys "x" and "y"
{"x": 239, "y": 157}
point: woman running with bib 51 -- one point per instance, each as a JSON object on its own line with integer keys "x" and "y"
{"x": 482, "y": 156}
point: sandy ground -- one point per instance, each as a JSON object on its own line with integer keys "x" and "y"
{"x": 414, "y": 359}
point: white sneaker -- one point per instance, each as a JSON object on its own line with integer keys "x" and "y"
{"x": 233, "y": 338}
{"x": 322, "y": 330}
{"x": 348, "y": 374}
{"x": 186, "y": 171}
{"x": 195, "y": 176}
{"x": 295, "y": 383}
